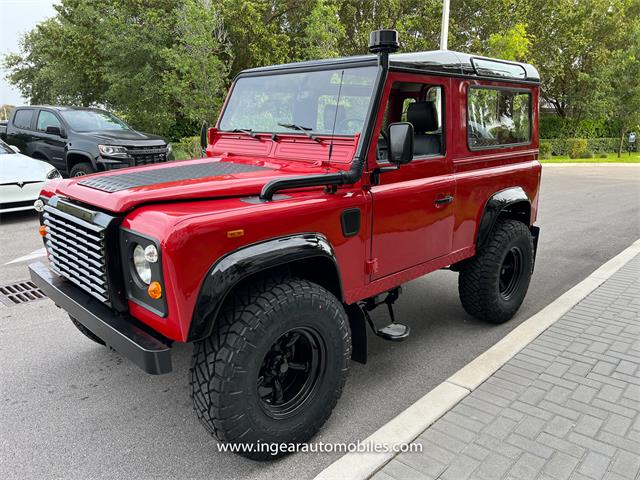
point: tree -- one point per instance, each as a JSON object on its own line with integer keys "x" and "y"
{"x": 198, "y": 61}
{"x": 624, "y": 100}
{"x": 5, "y": 111}
{"x": 510, "y": 45}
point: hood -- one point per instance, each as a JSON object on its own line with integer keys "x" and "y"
{"x": 122, "y": 190}
{"x": 15, "y": 167}
{"x": 124, "y": 137}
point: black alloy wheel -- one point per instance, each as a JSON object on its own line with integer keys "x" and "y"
{"x": 290, "y": 372}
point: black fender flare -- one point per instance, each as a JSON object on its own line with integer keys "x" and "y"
{"x": 244, "y": 262}
{"x": 498, "y": 203}
{"x": 80, "y": 153}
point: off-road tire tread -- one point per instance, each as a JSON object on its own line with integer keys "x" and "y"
{"x": 477, "y": 275}
{"x": 218, "y": 358}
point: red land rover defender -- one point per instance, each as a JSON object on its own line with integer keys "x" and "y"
{"x": 326, "y": 186}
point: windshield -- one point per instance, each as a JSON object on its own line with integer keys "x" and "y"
{"x": 4, "y": 148}
{"x": 301, "y": 102}
{"x": 92, "y": 120}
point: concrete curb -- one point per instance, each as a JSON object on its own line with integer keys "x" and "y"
{"x": 409, "y": 424}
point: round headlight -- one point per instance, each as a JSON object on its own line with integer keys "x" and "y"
{"x": 151, "y": 254}
{"x": 140, "y": 263}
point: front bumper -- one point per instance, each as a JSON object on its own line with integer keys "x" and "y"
{"x": 150, "y": 351}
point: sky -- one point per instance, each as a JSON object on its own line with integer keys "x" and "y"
{"x": 16, "y": 18}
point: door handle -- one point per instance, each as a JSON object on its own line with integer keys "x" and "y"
{"x": 444, "y": 200}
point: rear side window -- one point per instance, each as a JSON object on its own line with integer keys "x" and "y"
{"x": 497, "y": 117}
{"x": 47, "y": 119}
{"x": 23, "y": 119}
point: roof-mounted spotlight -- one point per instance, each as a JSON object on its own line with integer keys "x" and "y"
{"x": 383, "y": 41}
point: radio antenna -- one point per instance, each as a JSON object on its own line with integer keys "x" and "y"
{"x": 335, "y": 117}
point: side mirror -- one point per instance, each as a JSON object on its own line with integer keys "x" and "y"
{"x": 14, "y": 148}
{"x": 400, "y": 143}
{"x": 204, "y": 136}
{"x": 51, "y": 130}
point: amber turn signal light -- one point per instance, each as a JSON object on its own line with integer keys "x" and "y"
{"x": 42, "y": 230}
{"x": 154, "y": 290}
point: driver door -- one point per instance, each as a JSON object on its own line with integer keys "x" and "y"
{"x": 52, "y": 146}
{"x": 413, "y": 206}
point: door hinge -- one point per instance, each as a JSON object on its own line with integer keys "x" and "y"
{"x": 372, "y": 266}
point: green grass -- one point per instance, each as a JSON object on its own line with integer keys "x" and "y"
{"x": 611, "y": 158}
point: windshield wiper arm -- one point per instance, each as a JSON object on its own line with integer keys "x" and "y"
{"x": 300, "y": 128}
{"x": 246, "y": 131}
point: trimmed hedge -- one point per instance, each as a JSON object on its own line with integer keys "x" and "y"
{"x": 565, "y": 146}
{"x": 552, "y": 126}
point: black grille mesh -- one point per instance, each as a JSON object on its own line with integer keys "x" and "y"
{"x": 77, "y": 252}
{"x": 144, "y": 178}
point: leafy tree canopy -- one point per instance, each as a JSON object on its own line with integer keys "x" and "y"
{"x": 166, "y": 64}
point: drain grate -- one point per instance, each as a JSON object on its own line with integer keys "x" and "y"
{"x": 20, "y": 292}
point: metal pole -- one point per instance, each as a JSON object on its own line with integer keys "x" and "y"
{"x": 444, "y": 28}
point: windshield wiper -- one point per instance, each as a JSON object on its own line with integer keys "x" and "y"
{"x": 246, "y": 131}
{"x": 300, "y": 128}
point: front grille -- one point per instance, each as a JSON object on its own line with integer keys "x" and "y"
{"x": 77, "y": 251}
{"x": 148, "y": 155}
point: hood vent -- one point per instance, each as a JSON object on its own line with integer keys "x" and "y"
{"x": 156, "y": 176}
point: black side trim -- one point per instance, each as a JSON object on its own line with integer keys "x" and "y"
{"x": 229, "y": 270}
{"x": 350, "y": 220}
{"x": 495, "y": 205}
{"x": 151, "y": 352}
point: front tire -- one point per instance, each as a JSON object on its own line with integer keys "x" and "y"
{"x": 81, "y": 169}
{"x": 493, "y": 284}
{"x": 274, "y": 367}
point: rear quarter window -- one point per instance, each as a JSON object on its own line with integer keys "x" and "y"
{"x": 23, "y": 119}
{"x": 498, "y": 117}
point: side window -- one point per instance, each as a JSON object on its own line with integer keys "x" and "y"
{"x": 47, "y": 119}
{"x": 421, "y": 105}
{"x": 23, "y": 119}
{"x": 497, "y": 117}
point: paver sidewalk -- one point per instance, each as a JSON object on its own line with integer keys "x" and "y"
{"x": 566, "y": 407}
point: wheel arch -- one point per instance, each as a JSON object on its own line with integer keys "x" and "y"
{"x": 74, "y": 157}
{"x": 511, "y": 202}
{"x": 309, "y": 256}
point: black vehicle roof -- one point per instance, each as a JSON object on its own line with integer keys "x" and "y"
{"x": 442, "y": 62}
{"x": 60, "y": 108}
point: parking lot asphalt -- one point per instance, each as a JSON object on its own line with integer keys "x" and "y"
{"x": 73, "y": 409}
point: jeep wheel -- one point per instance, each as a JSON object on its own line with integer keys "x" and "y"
{"x": 493, "y": 284}
{"x": 86, "y": 332}
{"x": 274, "y": 367}
{"x": 81, "y": 169}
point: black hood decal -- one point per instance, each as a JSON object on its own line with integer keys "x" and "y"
{"x": 144, "y": 178}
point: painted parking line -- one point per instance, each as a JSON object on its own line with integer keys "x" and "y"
{"x": 41, "y": 252}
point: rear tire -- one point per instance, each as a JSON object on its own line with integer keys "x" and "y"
{"x": 274, "y": 367}
{"x": 86, "y": 332}
{"x": 81, "y": 169}
{"x": 492, "y": 285}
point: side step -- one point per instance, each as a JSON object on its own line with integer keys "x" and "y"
{"x": 395, "y": 332}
